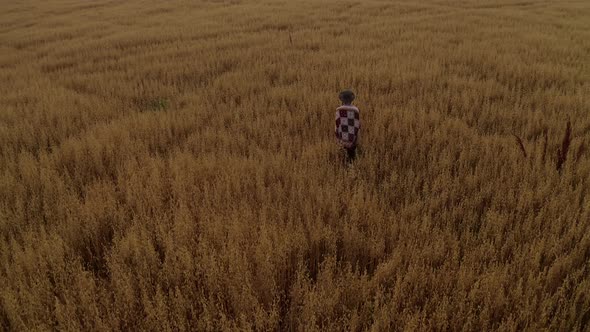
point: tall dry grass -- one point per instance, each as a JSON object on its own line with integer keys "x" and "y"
{"x": 171, "y": 166}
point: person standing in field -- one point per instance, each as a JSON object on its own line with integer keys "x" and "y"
{"x": 348, "y": 124}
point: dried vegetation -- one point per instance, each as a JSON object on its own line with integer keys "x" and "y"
{"x": 171, "y": 165}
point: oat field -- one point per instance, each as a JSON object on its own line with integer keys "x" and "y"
{"x": 171, "y": 165}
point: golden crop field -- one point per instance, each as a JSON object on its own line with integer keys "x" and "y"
{"x": 171, "y": 165}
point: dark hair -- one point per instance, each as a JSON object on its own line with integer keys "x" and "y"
{"x": 346, "y": 96}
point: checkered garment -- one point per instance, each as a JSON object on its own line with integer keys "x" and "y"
{"x": 348, "y": 125}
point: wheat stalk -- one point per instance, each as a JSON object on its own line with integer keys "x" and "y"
{"x": 520, "y": 144}
{"x": 545, "y": 139}
{"x": 581, "y": 150}
{"x": 565, "y": 145}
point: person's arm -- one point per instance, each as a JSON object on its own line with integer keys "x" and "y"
{"x": 356, "y": 137}
{"x": 336, "y": 126}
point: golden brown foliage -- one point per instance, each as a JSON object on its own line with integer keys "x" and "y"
{"x": 171, "y": 165}
{"x": 565, "y": 145}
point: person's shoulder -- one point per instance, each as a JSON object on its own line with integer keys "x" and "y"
{"x": 348, "y": 108}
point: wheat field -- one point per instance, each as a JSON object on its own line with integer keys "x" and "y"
{"x": 171, "y": 166}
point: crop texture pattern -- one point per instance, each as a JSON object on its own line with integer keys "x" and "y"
{"x": 171, "y": 165}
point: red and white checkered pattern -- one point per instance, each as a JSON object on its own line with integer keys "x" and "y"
{"x": 348, "y": 125}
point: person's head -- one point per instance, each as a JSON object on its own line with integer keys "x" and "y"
{"x": 346, "y": 97}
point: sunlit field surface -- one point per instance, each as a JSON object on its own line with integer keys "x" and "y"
{"x": 171, "y": 165}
